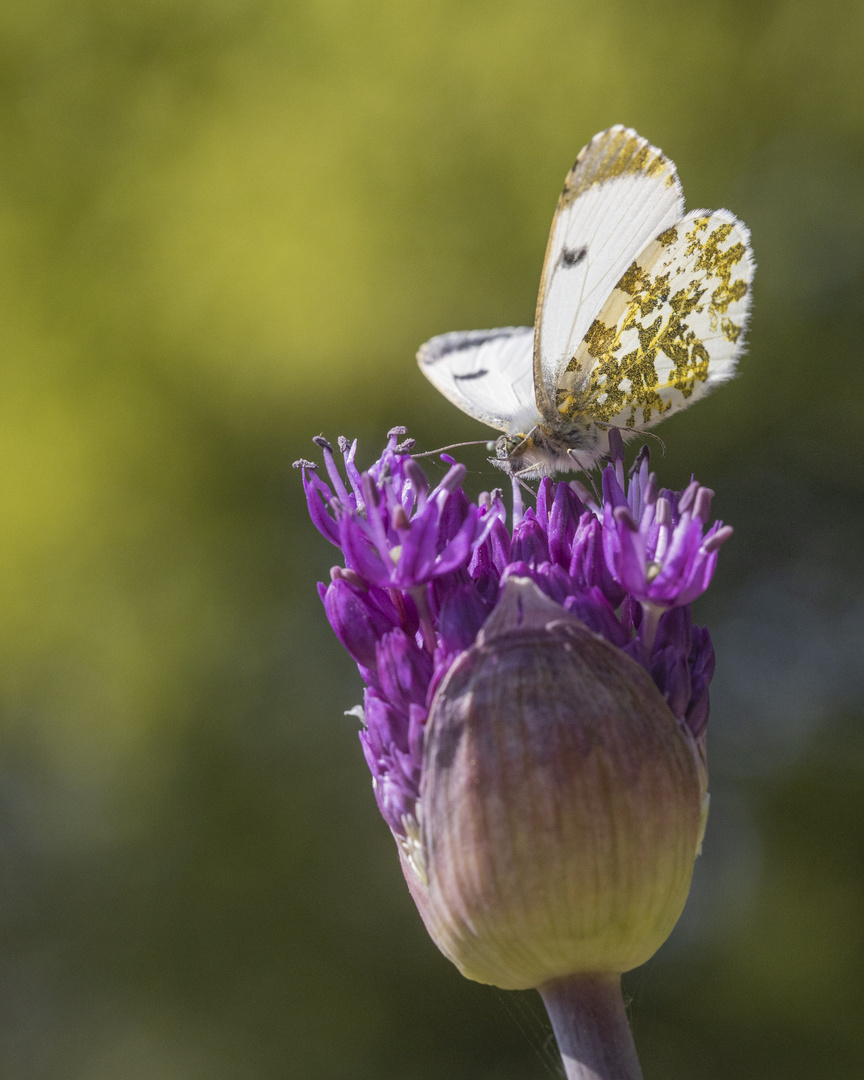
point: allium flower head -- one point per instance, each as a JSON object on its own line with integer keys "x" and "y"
{"x": 571, "y": 620}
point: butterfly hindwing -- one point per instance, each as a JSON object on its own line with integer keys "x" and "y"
{"x": 486, "y": 373}
{"x": 621, "y": 193}
{"x": 670, "y": 330}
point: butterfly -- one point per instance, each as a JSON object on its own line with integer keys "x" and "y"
{"x": 641, "y": 311}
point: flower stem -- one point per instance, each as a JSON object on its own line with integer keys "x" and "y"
{"x": 590, "y": 1024}
{"x": 650, "y": 621}
{"x": 427, "y": 627}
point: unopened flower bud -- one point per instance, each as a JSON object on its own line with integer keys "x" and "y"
{"x": 534, "y": 716}
{"x": 560, "y": 805}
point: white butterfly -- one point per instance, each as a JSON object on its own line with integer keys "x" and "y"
{"x": 641, "y": 312}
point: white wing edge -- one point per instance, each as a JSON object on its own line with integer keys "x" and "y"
{"x": 488, "y": 374}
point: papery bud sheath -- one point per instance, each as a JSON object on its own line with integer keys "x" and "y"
{"x": 560, "y": 803}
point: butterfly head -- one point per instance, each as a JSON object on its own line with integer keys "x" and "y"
{"x": 506, "y": 446}
{"x": 548, "y": 448}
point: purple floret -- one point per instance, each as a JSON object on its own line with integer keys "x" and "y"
{"x": 424, "y": 566}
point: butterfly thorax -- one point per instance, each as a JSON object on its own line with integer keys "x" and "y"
{"x": 550, "y": 447}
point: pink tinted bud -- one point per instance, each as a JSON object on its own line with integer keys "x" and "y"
{"x": 561, "y": 803}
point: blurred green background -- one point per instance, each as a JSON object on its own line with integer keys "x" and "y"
{"x": 225, "y": 227}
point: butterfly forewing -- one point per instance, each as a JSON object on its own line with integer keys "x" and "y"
{"x": 486, "y": 373}
{"x": 621, "y": 193}
{"x": 670, "y": 330}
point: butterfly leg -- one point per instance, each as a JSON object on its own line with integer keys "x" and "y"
{"x": 578, "y": 464}
{"x": 518, "y": 477}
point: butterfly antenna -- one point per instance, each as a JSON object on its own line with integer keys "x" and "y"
{"x": 656, "y": 438}
{"x": 452, "y": 446}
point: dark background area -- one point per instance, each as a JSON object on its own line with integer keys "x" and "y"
{"x": 225, "y": 227}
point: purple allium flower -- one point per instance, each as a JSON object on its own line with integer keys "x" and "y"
{"x": 424, "y": 568}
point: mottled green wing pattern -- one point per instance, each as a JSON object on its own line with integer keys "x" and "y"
{"x": 621, "y": 193}
{"x": 671, "y": 329}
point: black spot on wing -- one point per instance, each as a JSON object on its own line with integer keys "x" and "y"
{"x": 461, "y": 340}
{"x": 573, "y": 256}
{"x": 471, "y": 341}
{"x": 473, "y": 374}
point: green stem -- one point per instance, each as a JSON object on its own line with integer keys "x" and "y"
{"x": 590, "y": 1025}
